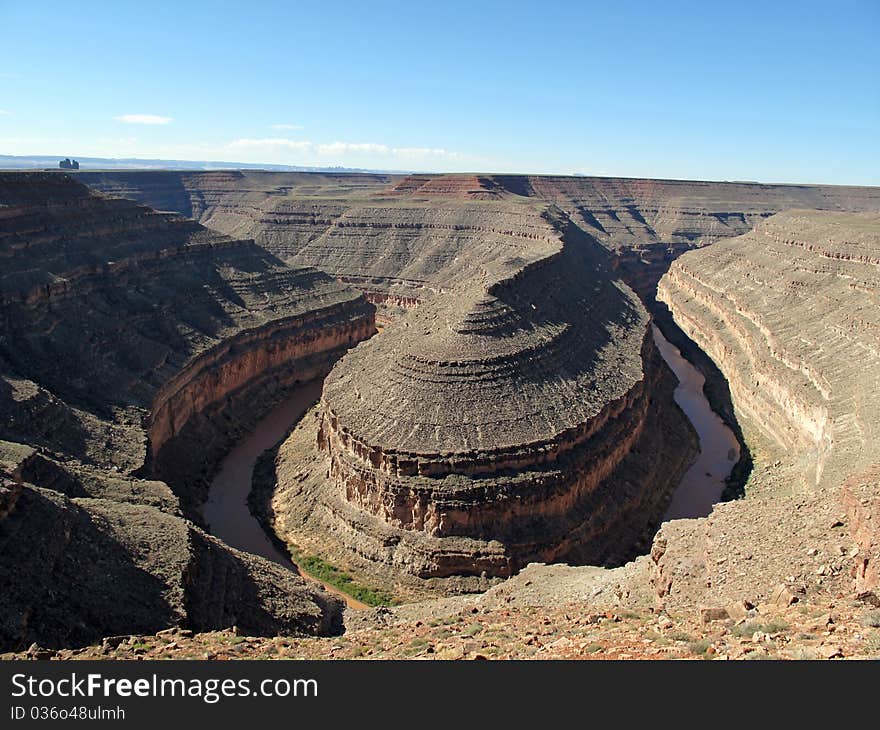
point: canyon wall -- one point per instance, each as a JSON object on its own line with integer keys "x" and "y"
{"x": 646, "y": 223}
{"x": 137, "y": 344}
{"x": 519, "y": 413}
{"x": 789, "y": 313}
{"x": 121, "y": 324}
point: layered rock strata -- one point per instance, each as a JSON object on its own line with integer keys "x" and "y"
{"x": 122, "y": 326}
{"x": 789, "y": 313}
{"x": 137, "y": 344}
{"x": 519, "y": 414}
{"x": 646, "y": 223}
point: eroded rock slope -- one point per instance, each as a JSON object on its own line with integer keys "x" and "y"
{"x": 646, "y": 223}
{"x": 519, "y": 413}
{"x": 136, "y": 344}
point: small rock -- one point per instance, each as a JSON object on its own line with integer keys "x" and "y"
{"x": 830, "y": 652}
{"x": 868, "y": 597}
{"x": 112, "y": 642}
{"x": 35, "y": 651}
{"x": 739, "y": 611}
{"x": 451, "y": 653}
{"x": 708, "y": 614}
{"x": 784, "y": 596}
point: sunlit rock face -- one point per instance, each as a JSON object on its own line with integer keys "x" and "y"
{"x": 520, "y": 413}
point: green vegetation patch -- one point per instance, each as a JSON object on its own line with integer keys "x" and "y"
{"x": 330, "y": 574}
{"x": 700, "y": 646}
{"x": 750, "y": 627}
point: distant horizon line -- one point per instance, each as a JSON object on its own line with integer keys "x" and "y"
{"x": 171, "y": 165}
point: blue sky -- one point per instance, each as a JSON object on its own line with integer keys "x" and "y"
{"x": 770, "y": 91}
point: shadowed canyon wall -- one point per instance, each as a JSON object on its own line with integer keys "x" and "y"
{"x": 419, "y": 238}
{"x": 134, "y": 343}
{"x": 789, "y": 312}
{"x": 646, "y": 223}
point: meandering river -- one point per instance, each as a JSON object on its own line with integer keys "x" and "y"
{"x": 703, "y": 483}
{"x": 226, "y": 510}
{"x": 229, "y": 518}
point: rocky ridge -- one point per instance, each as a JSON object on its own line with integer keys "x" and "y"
{"x": 128, "y": 340}
{"x": 520, "y": 414}
{"x": 646, "y": 223}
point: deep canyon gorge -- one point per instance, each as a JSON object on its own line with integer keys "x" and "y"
{"x": 511, "y": 433}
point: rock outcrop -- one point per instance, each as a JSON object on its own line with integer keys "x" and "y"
{"x": 76, "y": 570}
{"x": 860, "y": 495}
{"x": 134, "y": 345}
{"x": 646, "y": 223}
{"x": 519, "y": 413}
{"x": 123, "y": 330}
{"x": 789, "y": 312}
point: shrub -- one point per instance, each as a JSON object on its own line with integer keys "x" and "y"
{"x": 330, "y": 574}
{"x": 700, "y": 646}
{"x": 750, "y": 627}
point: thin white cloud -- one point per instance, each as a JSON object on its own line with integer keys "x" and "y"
{"x": 143, "y": 119}
{"x": 117, "y": 141}
{"x": 4, "y": 113}
{"x": 271, "y": 144}
{"x": 286, "y": 127}
{"x": 345, "y": 149}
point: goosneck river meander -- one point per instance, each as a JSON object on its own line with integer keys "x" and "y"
{"x": 229, "y": 518}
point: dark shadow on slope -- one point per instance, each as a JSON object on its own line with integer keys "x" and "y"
{"x": 717, "y": 392}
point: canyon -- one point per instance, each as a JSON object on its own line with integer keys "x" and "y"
{"x": 358, "y": 226}
{"x": 510, "y": 436}
{"x": 517, "y": 416}
{"x": 135, "y": 347}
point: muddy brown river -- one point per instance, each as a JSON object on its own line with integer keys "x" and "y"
{"x": 226, "y": 510}
{"x": 703, "y": 483}
{"x": 229, "y": 518}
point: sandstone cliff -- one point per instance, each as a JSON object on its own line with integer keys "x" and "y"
{"x": 123, "y": 328}
{"x": 646, "y": 223}
{"x": 518, "y": 413}
{"x": 789, "y": 312}
{"x": 137, "y": 344}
